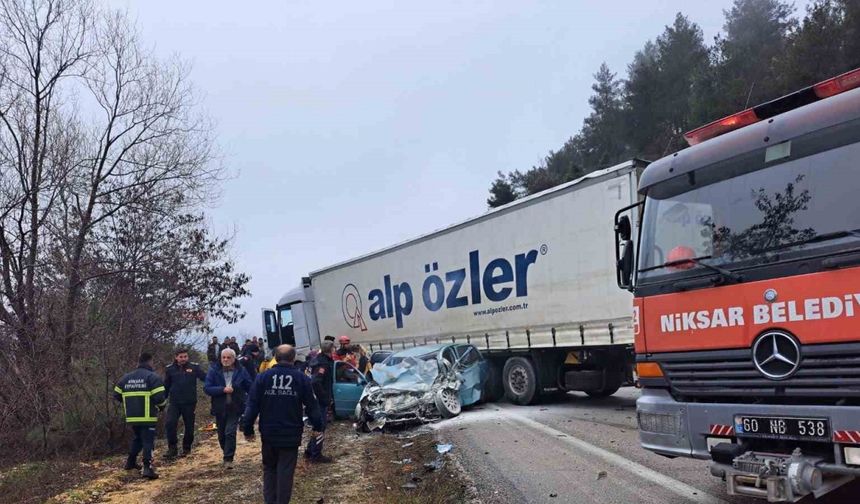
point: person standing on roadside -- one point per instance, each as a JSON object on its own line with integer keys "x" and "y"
{"x": 213, "y": 350}
{"x": 180, "y": 384}
{"x": 267, "y": 364}
{"x": 235, "y": 346}
{"x": 322, "y": 371}
{"x": 227, "y": 384}
{"x": 142, "y": 395}
{"x": 280, "y": 396}
{"x": 251, "y": 359}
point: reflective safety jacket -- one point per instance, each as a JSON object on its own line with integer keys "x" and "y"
{"x": 267, "y": 364}
{"x": 142, "y": 394}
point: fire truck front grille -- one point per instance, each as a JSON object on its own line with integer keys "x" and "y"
{"x": 826, "y": 373}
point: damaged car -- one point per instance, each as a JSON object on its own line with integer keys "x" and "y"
{"x": 422, "y": 384}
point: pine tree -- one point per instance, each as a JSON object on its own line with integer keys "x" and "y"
{"x": 756, "y": 35}
{"x": 660, "y": 89}
{"x": 850, "y": 10}
{"x": 501, "y": 192}
{"x": 601, "y": 141}
{"x": 815, "y": 51}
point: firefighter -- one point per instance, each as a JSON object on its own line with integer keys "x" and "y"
{"x": 180, "y": 384}
{"x": 280, "y": 396}
{"x": 142, "y": 394}
{"x": 322, "y": 369}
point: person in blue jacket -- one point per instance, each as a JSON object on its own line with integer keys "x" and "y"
{"x": 227, "y": 383}
{"x": 280, "y": 396}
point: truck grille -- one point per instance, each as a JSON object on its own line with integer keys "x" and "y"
{"x": 826, "y": 372}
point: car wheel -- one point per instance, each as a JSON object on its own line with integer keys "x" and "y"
{"x": 448, "y": 403}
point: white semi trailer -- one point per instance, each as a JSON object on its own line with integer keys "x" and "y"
{"x": 531, "y": 284}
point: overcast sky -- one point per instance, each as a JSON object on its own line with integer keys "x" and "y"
{"x": 354, "y": 125}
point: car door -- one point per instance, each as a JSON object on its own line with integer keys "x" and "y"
{"x": 347, "y": 388}
{"x": 471, "y": 367}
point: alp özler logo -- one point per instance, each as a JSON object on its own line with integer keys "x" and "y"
{"x": 350, "y": 303}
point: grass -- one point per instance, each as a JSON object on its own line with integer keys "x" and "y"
{"x": 34, "y": 482}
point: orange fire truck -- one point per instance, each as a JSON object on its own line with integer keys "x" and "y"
{"x": 746, "y": 283}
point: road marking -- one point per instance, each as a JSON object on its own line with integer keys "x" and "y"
{"x": 671, "y": 484}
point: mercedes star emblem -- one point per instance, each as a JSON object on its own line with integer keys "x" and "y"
{"x": 770, "y": 295}
{"x": 776, "y": 355}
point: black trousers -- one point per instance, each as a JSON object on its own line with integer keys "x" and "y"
{"x": 315, "y": 443}
{"x": 227, "y": 424}
{"x": 186, "y": 411}
{"x": 144, "y": 439}
{"x": 279, "y": 466}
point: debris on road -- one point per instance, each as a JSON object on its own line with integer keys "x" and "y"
{"x": 444, "y": 448}
{"x": 601, "y": 475}
{"x": 435, "y": 465}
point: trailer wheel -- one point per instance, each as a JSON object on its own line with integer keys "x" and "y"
{"x": 611, "y": 383}
{"x": 494, "y": 389}
{"x": 520, "y": 381}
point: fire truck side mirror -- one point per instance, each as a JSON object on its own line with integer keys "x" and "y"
{"x": 622, "y": 227}
{"x": 625, "y": 265}
{"x": 623, "y": 251}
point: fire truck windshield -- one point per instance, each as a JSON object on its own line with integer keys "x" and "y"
{"x": 747, "y": 215}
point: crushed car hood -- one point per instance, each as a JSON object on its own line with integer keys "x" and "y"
{"x": 403, "y": 393}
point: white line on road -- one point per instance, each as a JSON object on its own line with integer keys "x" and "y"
{"x": 671, "y": 484}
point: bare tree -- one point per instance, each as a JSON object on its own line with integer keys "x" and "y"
{"x": 105, "y": 164}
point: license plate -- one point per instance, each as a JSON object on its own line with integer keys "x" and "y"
{"x": 800, "y": 429}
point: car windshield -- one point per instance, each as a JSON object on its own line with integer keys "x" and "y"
{"x": 741, "y": 215}
{"x": 395, "y": 359}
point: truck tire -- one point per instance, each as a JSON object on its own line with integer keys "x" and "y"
{"x": 493, "y": 388}
{"x": 448, "y": 403}
{"x": 611, "y": 383}
{"x": 520, "y": 381}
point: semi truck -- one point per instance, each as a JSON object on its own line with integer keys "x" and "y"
{"x": 530, "y": 284}
{"x": 746, "y": 285}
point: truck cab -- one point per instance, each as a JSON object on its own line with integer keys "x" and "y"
{"x": 293, "y": 322}
{"x": 746, "y": 282}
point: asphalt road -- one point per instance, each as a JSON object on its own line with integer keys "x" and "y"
{"x": 581, "y": 450}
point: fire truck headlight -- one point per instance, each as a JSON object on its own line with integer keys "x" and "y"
{"x": 852, "y": 455}
{"x": 660, "y": 423}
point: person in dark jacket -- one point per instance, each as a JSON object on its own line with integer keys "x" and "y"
{"x": 235, "y": 346}
{"x": 213, "y": 351}
{"x": 280, "y": 396}
{"x": 180, "y": 384}
{"x": 142, "y": 395}
{"x": 322, "y": 378}
{"x": 227, "y": 384}
{"x": 250, "y": 359}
